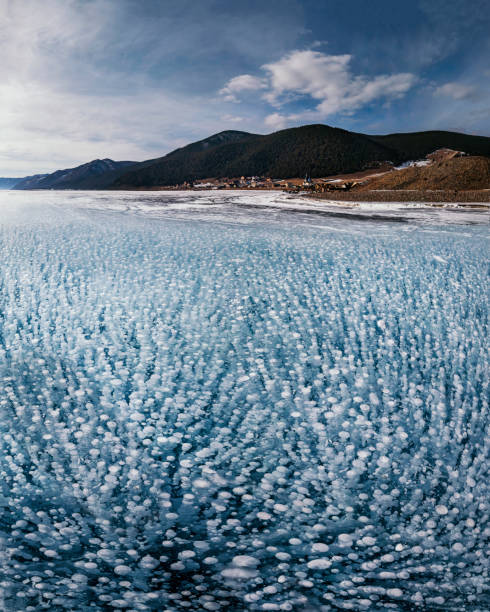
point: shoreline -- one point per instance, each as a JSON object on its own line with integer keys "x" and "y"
{"x": 300, "y": 202}
{"x": 434, "y": 198}
{"x": 480, "y": 199}
{"x": 250, "y": 206}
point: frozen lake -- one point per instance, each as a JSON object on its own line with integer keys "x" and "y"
{"x": 233, "y": 402}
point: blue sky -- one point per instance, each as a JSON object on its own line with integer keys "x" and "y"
{"x": 133, "y": 79}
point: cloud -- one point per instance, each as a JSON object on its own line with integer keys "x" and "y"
{"x": 276, "y": 121}
{"x": 123, "y": 79}
{"x": 457, "y": 91}
{"x": 232, "y": 118}
{"x": 326, "y": 82}
{"x": 44, "y": 129}
{"x": 133, "y": 79}
{"x": 243, "y": 82}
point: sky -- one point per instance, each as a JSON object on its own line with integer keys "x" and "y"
{"x": 135, "y": 79}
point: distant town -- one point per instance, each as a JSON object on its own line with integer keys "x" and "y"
{"x": 294, "y": 185}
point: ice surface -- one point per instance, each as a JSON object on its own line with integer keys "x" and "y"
{"x": 243, "y": 408}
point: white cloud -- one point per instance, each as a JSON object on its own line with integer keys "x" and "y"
{"x": 232, "y": 118}
{"x": 326, "y": 80}
{"x": 243, "y": 82}
{"x": 276, "y": 121}
{"x": 309, "y": 73}
{"x": 85, "y": 79}
{"x": 44, "y": 128}
{"x": 456, "y": 91}
{"x": 59, "y": 108}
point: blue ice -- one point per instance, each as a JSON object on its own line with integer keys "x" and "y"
{"x": 261, "y": 411}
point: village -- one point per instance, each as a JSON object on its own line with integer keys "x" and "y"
{"x": 336, "y": 183}
{"x": 294, "y": 185}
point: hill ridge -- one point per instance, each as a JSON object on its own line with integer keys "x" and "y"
{"x": 95, "y": 174}
{"x": 317, "y": 150}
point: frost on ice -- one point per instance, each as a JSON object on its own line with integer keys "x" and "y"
{"x": 199, "y": 416}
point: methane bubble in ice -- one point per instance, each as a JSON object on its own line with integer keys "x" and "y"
{"x": 203, "y": 410}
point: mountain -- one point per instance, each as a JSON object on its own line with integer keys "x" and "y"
{"x": 416, "y": 145}
{"x": 192, "y": 162}
{"x": 318, "y": 150}
{"x": 8, "y": 183}
{"x": 97, "y": 174}
{"x": 29, "y": 182}
{"x": 457, "y": 173}
{"x": 222, "y": 138}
